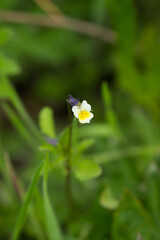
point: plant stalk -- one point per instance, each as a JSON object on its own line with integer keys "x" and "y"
{"x": 68, "y": 168}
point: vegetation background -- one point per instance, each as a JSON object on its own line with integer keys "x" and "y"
{"x": 108, "y": 53}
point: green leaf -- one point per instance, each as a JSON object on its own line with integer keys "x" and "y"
{"x": 7, "y": 66}
{"x": 96, "y": 130}
{"x": 5, "y": 34}
{"x": 87, "y": 169}
{"x": 48, "y": 147}
{"x": 107, "y": 98}
{"x": 153, "y": 194}
{"x": 23, "y": 211}
{"x": 64, "y": 138}
{"x": 131, "y": 220}
{"x": 46, "y": 122}
{"x": 19, "y": 126}
{"x": 52, "y": 226}
{"x": 85, "y": 144}
{"x": 5, "y": 89}
{"x": 110, "y": 115}
{"x": 108, "y": 200}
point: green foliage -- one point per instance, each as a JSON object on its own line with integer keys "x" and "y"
{"x": 24, "y": 208}
{"x": 85, "y": 144}
{"x": 121, "y": 82}
{"x": 109, "y": 113}
{"x": 96, "y": 130}
{"x": 7, "y": 66}
{"x": 52, "y": 226}
{"x": 5, "y": 35}
{"x": 87, "y": 169}
{"x": 46, "y": 122}
{"x": 108, "y": 200}
{"x": 130, "y": 220}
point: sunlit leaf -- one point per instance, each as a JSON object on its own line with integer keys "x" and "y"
{"x": 46, "y": 122}
{"x": 8, "y": 66}
{"x": 87, "y": 169}
{"x": 108, "y": 200}
{"x": 5, "y": 89}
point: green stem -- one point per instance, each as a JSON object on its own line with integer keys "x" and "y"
{"x": 52, "y": 224}
{"x": 68, "y": 166}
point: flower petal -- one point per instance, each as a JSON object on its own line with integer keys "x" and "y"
{"x": 76, "y": 111}
{"x": 85, "y": 106}
{"x": 91, "y": 116}
{"x": 82, "y": 121}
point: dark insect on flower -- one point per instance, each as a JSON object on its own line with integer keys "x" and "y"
{"x": 73, "y": 101}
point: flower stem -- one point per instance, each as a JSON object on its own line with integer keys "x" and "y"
{"x": 68, "y": 167}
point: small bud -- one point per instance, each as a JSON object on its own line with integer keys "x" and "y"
{"x": 73, "y": 101}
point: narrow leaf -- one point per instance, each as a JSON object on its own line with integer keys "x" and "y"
{"x": 52, "y": 226}
{"x": 23, "y": 211}
{"x": 46, "y": 122}
{"x": 19, "y": 125}
{"x": 107, "y": 98}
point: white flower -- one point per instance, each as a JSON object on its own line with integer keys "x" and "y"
{"x": 82, "y": 112}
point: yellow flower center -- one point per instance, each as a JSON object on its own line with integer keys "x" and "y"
{"x": 83, "y": 115}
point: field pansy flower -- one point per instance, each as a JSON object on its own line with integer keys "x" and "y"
{"x": 82, "y": 111}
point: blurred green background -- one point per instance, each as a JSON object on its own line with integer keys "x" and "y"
{"x": 45, "y": 64}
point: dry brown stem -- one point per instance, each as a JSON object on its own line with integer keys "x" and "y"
{"x": 64, "y": 22}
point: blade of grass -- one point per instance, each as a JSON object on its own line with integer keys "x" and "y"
{"x": 14, "y": 185}
{"x": 23, "y": 211}
{"x": 110, "y": 115}
{"x": 19, "y": 126}
{"x": 52, "y": 226}
{"x": 4, "y": 170}
{"x": 17, "y": 103}
{"x": 153, "y": 198}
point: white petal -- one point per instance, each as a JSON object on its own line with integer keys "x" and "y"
{"x": 76, "y": 111}
{"x": 82, "y": 121}
{"x": 85, "y": 106}
{"x": 91, "y": 116}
